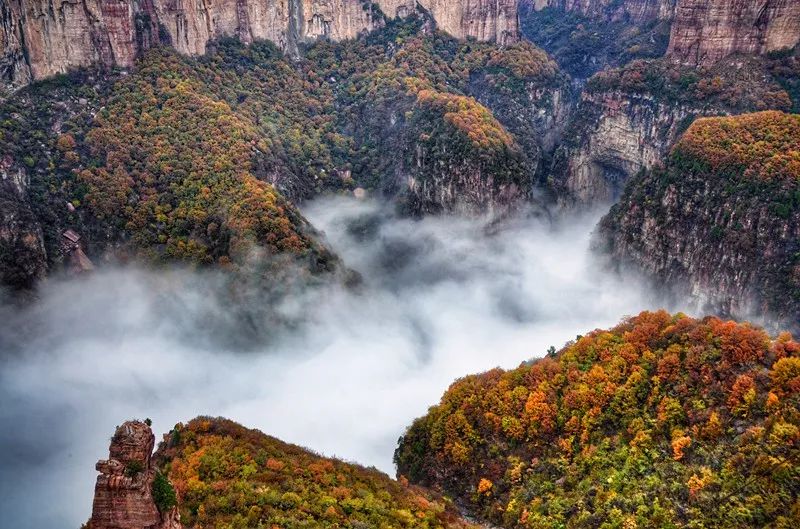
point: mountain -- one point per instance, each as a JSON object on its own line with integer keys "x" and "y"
{"x": 434, "y": 106}
{"x": 647, "y": 68}
{"x": 662, "y": 421}
{"x": 717, "y": 224}
{"x": 41, "y": 38}
{"x": 593, "y": 34}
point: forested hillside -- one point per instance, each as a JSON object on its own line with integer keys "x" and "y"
{"x": 662, "y": 421}
{"x": 229, "y": 476}
{"x": 193, "y": 159}
{"x": 717, "y": 224}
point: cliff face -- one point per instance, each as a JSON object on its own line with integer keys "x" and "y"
{"x": 618, "y": 135}
{"x": 40, "y": 38}
{"x": 705, "y": 31}
{"x": 123, "y": 497}
{"x": 191, "y": 24}
{"x": 632, "y": 10}
{"x": 484, "y": 20}
{"x": 288, "y": 22}
{"x": 719, "y": 225}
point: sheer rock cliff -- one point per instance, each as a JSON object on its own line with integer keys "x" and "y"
{"x": 41, "y": 38}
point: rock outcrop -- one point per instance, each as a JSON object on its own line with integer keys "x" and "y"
{"x": 41, "y": 38}
{"x": 705, "y": 31}
{"x": 123, "y": 497}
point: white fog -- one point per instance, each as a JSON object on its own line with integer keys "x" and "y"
{"x": 440, "y": 299}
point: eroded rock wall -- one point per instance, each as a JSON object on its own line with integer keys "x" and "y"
{"x": 705, "y": 31}
{"x": 633, "y": 10}
{"x": 614, "y": 136}
{"x": 41, "y": 38}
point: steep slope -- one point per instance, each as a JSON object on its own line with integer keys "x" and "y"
{"x": 41, "y": 38}
{"x": 588, "y": 36}
{"x": 226, "y": 475}
{"x": 164, "y": 172}
{"x": 663, "y": 421}
{"x": 718, "y": 224}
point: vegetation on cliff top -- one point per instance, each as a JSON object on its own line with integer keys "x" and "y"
{"x": 175, "y": 172}
{"x": 584, "y": 45}
{"x": 738, "y": 84}
{"x": 764, "y": 145}
{"x": 662, "y": 421}
{"x": 228, "y": 476}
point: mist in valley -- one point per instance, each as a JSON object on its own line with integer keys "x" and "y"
{"x": 340, "y": 370}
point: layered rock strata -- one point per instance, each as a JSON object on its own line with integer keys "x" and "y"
{"x": 41, "y": 38}
{"x": 703, "y": 31}
{"x": 123, "y": 497}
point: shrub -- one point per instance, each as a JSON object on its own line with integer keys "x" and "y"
{"x": 163, "y": 493}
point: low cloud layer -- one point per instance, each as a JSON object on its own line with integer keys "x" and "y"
{"x": 441, "y": 298}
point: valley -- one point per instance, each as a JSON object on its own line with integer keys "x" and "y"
{"x": 319, "y": 218}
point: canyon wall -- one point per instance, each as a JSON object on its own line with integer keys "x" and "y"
{"x": 485, "y": 20}
{"x": 616, "y": 135}
{"x": 717, "y": 225}
{"x": 703, "y": 31}
{"x": 633, "y": 10}
{"x": 41, "y": 38}
{"x": 191, "y": 24}
{"x": 629, "y": 118}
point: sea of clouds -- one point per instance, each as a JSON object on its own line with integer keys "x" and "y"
{"x": 341, "y": 370}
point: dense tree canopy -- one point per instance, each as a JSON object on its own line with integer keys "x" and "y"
{"x": 228, "y": 476}
{"x": 741, "y": 84}
{"x": 764, "y": 145}
{"x": 662, "y": 421}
